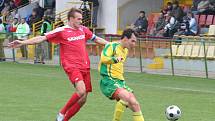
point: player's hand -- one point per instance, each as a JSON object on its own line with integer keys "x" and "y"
{"x": 15, "y": 44}
{"x": 119, "y": 59}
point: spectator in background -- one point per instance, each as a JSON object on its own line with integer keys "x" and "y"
{"x": 22, "y": 33}
{"x": 5, "y": 9}
{"x": 190, "y": 25}
{"x": 167, "y": 8}
{"x": 203, "y": 6}
{"x": 50, "y": 14}
{"x": 59, "y": 21}
{"x": 12, "y": 5}
{"x": 159, "y": 26}
{"x": 11, "y": 27}
{"x": 17, "y": 2}
{"x": 8, "y": 16}
{"x": 14, "y": 26}
{"x": 2, "y": 37}
{"x": 16, "y": 14}
{"x": 39, "y": 10}
{"x": 141, "y": 24}
{"x": 171, "y": 25}
{"x": 211, "y": 8}
{"x": 23, "y": 2}
{"x": 44, "y": 48}
{"x": 177, "y": 11}
{"x": 34, "y": 17}
{"x": 95, "y": 11}
{"x": 195, "y": 5}
{"x": 1, "y": 4}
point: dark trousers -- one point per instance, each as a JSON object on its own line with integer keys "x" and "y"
{"x": 24, "y": 51}
{"x": 2, "y": 55}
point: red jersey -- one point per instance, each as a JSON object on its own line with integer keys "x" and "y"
{"x": 72, "y": 42}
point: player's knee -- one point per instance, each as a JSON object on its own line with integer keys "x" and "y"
{"x": 135, "y": 105}
{"x": 81, "y": 92}
{"x": 83, "y": 100}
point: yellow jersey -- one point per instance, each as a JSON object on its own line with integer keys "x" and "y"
{"x": 109, "y": 65}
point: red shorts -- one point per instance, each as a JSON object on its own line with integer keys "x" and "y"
{"x": 76, "y": 75}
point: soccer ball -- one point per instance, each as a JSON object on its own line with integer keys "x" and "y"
{"x": 173, "y": 113}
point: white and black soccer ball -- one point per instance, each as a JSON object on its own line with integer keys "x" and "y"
{"x": 173, "y": 113}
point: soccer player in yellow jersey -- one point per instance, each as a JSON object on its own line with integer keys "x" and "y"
{"x": 112, "y": 82}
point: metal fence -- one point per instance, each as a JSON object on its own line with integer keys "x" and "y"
{"x": 186, "y": 56}
{"x": 44, "y": 53}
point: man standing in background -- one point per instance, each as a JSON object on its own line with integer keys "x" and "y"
{"x": 22, "y": 32}
{"x": 95, "y": 11}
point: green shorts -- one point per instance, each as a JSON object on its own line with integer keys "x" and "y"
{"x": 109, "y": 85}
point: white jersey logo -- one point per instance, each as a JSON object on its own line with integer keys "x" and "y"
{"x": 76, "y": 38}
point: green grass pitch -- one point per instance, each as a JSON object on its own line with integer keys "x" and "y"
{"x": 37, "y": 92}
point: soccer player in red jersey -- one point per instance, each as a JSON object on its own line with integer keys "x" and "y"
{"x": 74, "y": 58}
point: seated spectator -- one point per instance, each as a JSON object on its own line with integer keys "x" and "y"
{"x": 203, "y": 6}
{"x": 159, "y": 26}
{"x": 141, "y": 24}
{"x": 195, "y": 5}
{"x": 211, "y": 8}
{"x": 177, "y": 11}
{"x": 190, "y": 26}
{"x": 171, "y": 25}
{"x": 167, "y": 8}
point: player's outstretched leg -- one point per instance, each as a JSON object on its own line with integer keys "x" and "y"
{"x": 80, "y": 92}
{"x": 119, "y": 110}
{"x": 132, "y": 103}
{"x": 75, "y": 108}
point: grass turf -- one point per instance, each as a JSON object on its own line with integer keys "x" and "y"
{"x": 37, "y": 92}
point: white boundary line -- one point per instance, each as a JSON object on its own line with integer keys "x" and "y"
{"x": 180, "y": 89}
{"x": 147, "y": 85}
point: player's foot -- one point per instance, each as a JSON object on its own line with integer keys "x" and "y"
{"x": 60, "y": 117}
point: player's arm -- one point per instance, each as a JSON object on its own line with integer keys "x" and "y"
{"x": 100, "y": 40}
{"x": 107, "y": 55}
{"x": 90, "y": 36}
{"x": 34, "y": 40}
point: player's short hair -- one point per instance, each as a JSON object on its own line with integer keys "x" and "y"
{"x": 127, "y": 33}
{"x": 142, "y": 12}
{"x": 72, "y": 12}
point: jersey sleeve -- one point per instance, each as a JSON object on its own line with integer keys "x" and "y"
{"x": 54, "y": 35}
{"x": 88, "y": 34}
{"x": 107, "y": 55}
